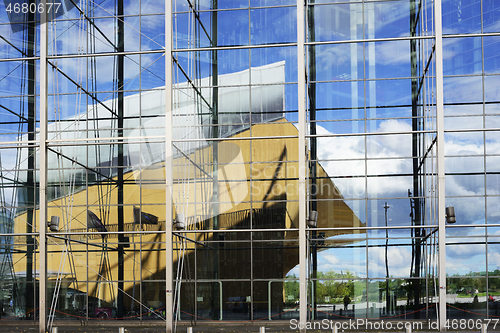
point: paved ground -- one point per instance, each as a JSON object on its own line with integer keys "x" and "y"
{"x": 157, "y": 327}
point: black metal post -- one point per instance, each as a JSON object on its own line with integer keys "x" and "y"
{"x": 30, "y": 179}
{"x": 313, "y": 146}
{"x": 416, "y": 126}
{"x": 120, "y": 111}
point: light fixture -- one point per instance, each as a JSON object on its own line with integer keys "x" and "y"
{"x": 450, "y": 215}
{"x": 312, "y": 221}
{"x": 53, "y": 224}
{"x": 179, "y": 221}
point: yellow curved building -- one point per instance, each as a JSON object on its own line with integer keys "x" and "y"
{"x": 270, "y": 179}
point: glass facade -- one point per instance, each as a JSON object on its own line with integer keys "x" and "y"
{"x": 249, "y": 160}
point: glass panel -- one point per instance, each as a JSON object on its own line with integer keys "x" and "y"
{"x": 464, "y": 165}
{"x": 396, "y": 260}
{"x": 493, "y": 209}
{"x": 150, "y": 31}
{"x": 492, "y": 183}
{"x": 458, "y": 123}
{"x": 491, "y": 15}
{"x": 388, "y": 93}
{"x": 466, "y": 298}
{"x": 335, "y": 298}
{"x": 351, "y": 188}
{"x": 465, "y": 256}
{"x": 386, "y": 19}
{"x": 388, "y": 59}
{"x": 383, "y": 111}
{"x": 462, "y": 110}
{"x": 337, "y": 22}
{"x": 396, "y": 298}
{"x": 235, "y": 297}
{"x": 492, "y": 139}
{"x": 491, "y": 54}
{"x": 463, "y": 89}
{"x": 12, "y": 45}
{"x": 389, "y": 166}
{"x": 394, "y": 145}
{"x": 346, "y": 213}
{"x": 264, "y": 3}
{"x": 388, "y": 186}
{"x": 228, "y": 4}
{"x": 462, "y": 56}
{"x": 460, "y": 232}
{"x": 468, "y": 210}
{"x": 465, "y": 143}
{"x": 340, "y": 127}
{"x": 337, "y": 62}
{"x": 230, "y": 61}
{"x": 341, "y": 253}
{"x": 493, "y": 296}
{"x": 490, "y": 93}
{"x": 283, "y": 57}
{"x": 340, "y": 95}
{"x": 461, "y": 17}
{"x": 493, "y": 257}
{"x": 153, "y": 299}
{"x": 465, "y": 185}
{"x": 232, "y": 27}
{"x": 492, "y": 122}
{"x": 273, "y": 300}
{"x": 151, "y": 7}
{"x": 326, "y": 113}
{"x": 12, "y": 84}
{"x": 344, "y": 168}
{"x": 397, "y": 212}
{"x": 273, "y": 25}
{"x": 208, "y": 301}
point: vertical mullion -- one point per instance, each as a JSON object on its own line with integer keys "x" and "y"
{"x": 168, "y": 169}
{"x": 301, "y": 95}
{"x": 440, "y": 164}
{"x": 42, "y": 221}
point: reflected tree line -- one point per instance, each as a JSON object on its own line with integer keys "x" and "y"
{"x": 332, "y": 288}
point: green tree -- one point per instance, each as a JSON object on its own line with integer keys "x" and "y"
{"x": 291, "y": 288}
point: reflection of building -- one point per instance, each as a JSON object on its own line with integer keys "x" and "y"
{"x": 145, "y": 114}
{"x": 253, "y": 120}
{"x": 270, "y": 179}
{"x": 270, "y": 183}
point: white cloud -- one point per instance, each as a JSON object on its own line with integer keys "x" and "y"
{"x": 398, "y": 258}
{"x": 493, "y": 260}
{"x": 342, "y": 260}
{"x": 463, "y": 251}
{"x": 465, "y": 258}
{"x": 391, "y": 53}
{"x": 380, "y": 146}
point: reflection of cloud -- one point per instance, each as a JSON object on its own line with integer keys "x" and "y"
{"x": 399, "y": 260}
{"x": 463, "y": 89}
{"x": 493, "y": 260}
{"x": 347, "y": 57}
{"x": 460, "y": 187}
{"x": 390, "y": 53}
{"x": 455, "y": 145}
{"x": 380, "y": 146}
{"x": 336, "y": 56}
{"x": 353, "y": 261}
{"x": 464, "y": 251}
{"x": 330, "y": 258}
{"x": 465, "y": 258}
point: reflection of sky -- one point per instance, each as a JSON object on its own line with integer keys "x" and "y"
{"x": 465, "y": 181}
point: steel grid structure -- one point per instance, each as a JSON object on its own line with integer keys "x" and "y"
{"x": 183, "y": 149}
